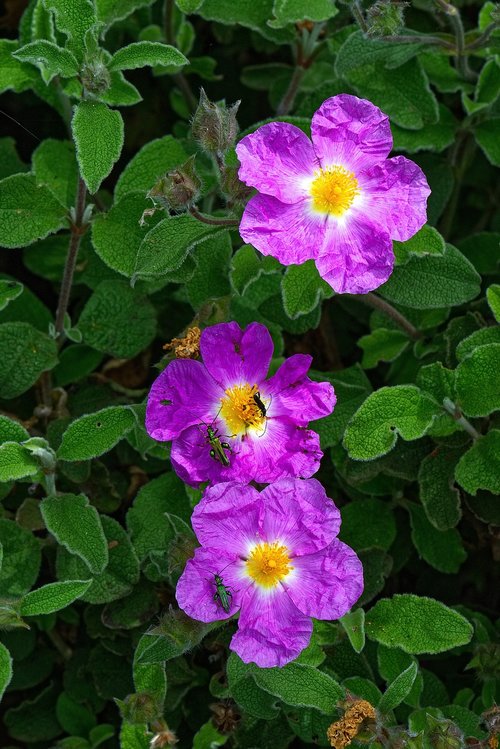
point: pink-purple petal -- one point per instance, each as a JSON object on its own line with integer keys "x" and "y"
{"x": 294, "y": 395}
{"x": 328, "y": 583}
{"x": 277, "y": 159}
{"x": 192, "y": 394}
{"x": 290, "y": 233}
{"x": 271, "y": 630}
{"x": 234, "y": 356}
{"x": 196, "y": 586}
{"x": 191, "y": 459}
{"x": 356, "y": 256}
{"x": 300, "y": 515}
{"x": 350, "y": 132}
{"x": 396, "y": 193}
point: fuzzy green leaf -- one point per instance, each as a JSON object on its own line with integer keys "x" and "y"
{"x": 210, "y": 276}
{"x": 300, "y": 685}
{"x": 432, "y": 281}
{"x": 77, "y": 526}
{"x": 427, "y": 241}
{"x": 118, "y": 320}
{"x": 9, "y": 290}
{"x": 53, "y": 597}
{"x": 477, "y": 381}
{"x": 493, "y": 297}
{"x": 382, "y": 345}
{"x": 27, "y": 212}
{"x": 55, "y": 167}
{"x": 5, "y": 669}
{"x": 139, "y": 54}
{"x": 417, "y": 624}
{"x": 373, "y": 430}
{"x": 354, "y": 625}
{"x": 14, "y": 74}
{"x": 488, "y": 137}
{"x": 10, "y": 163}
{"x": 368, "y": 523}
{"x": 303, "y": 289}
{"x": 398, "y": 689}
{"x": 480, "y": 337}
{"x": 443, "y": 550}
{"x": 51, "y": 59}
{"x": 291, "y": 11}
{"x": 96, "y": 433}
{"x": 98, "y": 134}
{"x": 16, "y": 462}
{"x": 18, "y": 372}
{"x": 431, "y": 137}
{"x": 439, "y": 497}
{"x": 479, "y": 468}
{"x": 149, "y": 164}
{"x": 11, "y": 431}
{"x": 73, "y": 18}
{"x": 21, "y": 559}
{"x": 110, "y": 11}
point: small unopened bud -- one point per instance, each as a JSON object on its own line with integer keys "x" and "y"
{"x": 140, "y": 708}
{"x": 95, "y": 76}
{"x": 385, "y": 17}
{"x": 215, "y": 126}
{"x": 177, "y": 189}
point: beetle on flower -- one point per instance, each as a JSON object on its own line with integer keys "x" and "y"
{"x": 258, "y": 426}
{"x": 338, "y": 199}
{"x": 282, "y": 562}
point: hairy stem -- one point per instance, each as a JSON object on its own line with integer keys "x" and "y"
{"x": 483, "y": 38}
{"x": 288, "y": 99}
{"x": 357, "y": 12}
{"x": 213, "y": 220}
{"x": 380, "y": 304}
{"x": 179, "y": 78}
{"x": 455, "y": 19}
{"x": 418, "y": 39}
{"x": 456, "y": 413}
{"x": 77, "y": 231}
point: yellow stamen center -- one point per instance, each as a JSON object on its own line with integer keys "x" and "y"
{"x": 268, "y": 564}
{"x": 239, "y": 409}
{"x": 333, "y": 190}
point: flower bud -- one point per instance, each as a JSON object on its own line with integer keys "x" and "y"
{"x": 214, "y": 126}
{"x": 140, "y": 708}
{"x": 178, "y": 188}
{"x": 385, "y": 17}
{"x": 95, "y": 76}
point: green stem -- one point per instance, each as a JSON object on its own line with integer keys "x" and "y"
{"x": 460, "y": 166}
{"x": 418, "y": 39}
{"x": 456, "y": 413}
{"x": 288, "y": 99}
{"x": 455, "y": 19}
{"x": 483, "y": 38}
{"x": 77, "y": 231}
{"x": 387, "y": 309}
{"x": 357, "y": 12}
{"x": 213, "y": 220}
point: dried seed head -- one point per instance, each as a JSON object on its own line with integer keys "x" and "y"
{"x": 341, "y": 733}
{"x": 187, "y": 347}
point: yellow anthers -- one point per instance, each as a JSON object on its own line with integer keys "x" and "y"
{"x": 268, "y": 564}
{"x": 240, "y": 410}
{"x": 333, "y": 190}
{"x": 187, "y": 347}
{"x": 341, "y": 733}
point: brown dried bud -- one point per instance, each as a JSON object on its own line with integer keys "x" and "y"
{"x": 163, "y": 738}
{"x": 187, "y": 347}
{"x": 226, "y": 716}
{"x": 214, "y": 126}
{"x": 341, "y": 733}
{"x": 178, "y": 188}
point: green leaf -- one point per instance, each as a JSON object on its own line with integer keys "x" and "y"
{"x": 55, "y": 167}
{"x": 11, "y": 431}
{"x": 120, "y": 575}
{"x": 27, "y": 212}
{"x": 140, "y": 54}
{"x": 188, "y": 6}
{"x": 74, "y": 18}
{"x": 303, "y": 289}
{"x": 53, "y": 597}
{"x": 443, "y": 550}
{"x": 9, "y": 290}
{"x": 210, "y": 277}
{"x": 427, "y": 241}
{"x": 291, "y": 11}
{"x": 10, "y": 163}
{"x": 354, "y": 625}
{"x": 121, "y": 93}
{"x": 21, "y": 559}
{"x": 208, "y": 737}
{"x": 398, "y": 689}
{"x": 479, "y": 468}
{"x": 110, "y": 11}
{"x": 118, "y": 320}
{"x": 431, "y": 281}
{"x": 49, "y": 58}
{"x": 16, "y": 462}
{"x": 34, "y": 720}
{"x": 18, "y": 372}
{"x": 134, "y": 736}
{"x": 438, "y": 495}
{"x": 77, "y": 526}
{"x": 382, "y": 345}
{"x": 73, "y": 717}
{"x": 98, "y": 134}
{"x": 431, "y": 137}
{"x": 478, "y": 338}
{"x": 300, "y": 685}
{"x": 368, "y": 523}
{"x": 417, "y": 624}
{"x": 247, "y": 268}
{"x": 358, "y": 51}
{"x": 373, "y": 430}
{"x": 477, "y": 382}
{"x": 179, "y": 634}
{"x": 488, "y": 137}
{"x": 96, "y": 433}
{"x": 439, "y": 382}
{"x": 5, "y": 669}
{"x": 493, "y": 297}
{"x": 149, "y": 164}
{"x": 254, "y": 15}
{"x": 166, "y": 246}
{"x": 14, "y": 74}
{"x": 483, "y": 251}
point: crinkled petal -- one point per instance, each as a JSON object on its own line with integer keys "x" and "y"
{"x": 291, "y": 393}
{"x": 229, "y": 517}
{"x": 191, "y": 459}
{"x": 271, "y": 630}
{"x": 300, "y": 515}
{"x": 325, "y": 585}
{"x": 395, "y": 196}
{"x": 356, "y": 256}
{"x": 350, "y": 132}
{"x": 234, "y": 356}
{"x": 290, "y": 233}
{"x": 196, "y": 587}
{"x": 277, "y": 159}
{"x": 192, "y": 394}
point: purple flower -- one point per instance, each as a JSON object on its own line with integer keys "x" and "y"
{"x": 227, "y": 421}
{"x": 338, "y": 200}
{"x": 280, "y": 564}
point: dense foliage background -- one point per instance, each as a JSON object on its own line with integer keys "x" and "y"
{"x": 94, "y": 527}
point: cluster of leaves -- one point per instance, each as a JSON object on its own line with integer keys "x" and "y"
{"x": 94, "y": 527}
